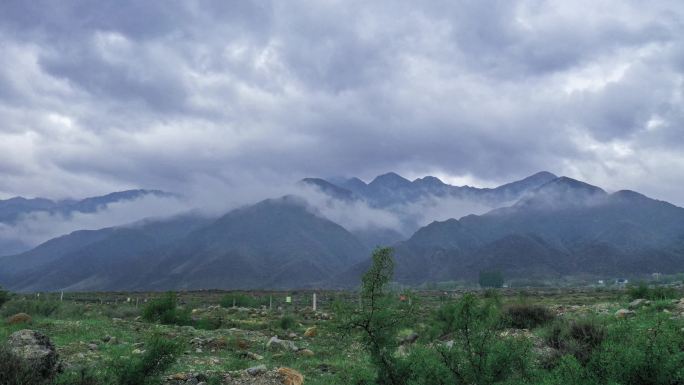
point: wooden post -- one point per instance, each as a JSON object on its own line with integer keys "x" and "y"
{"x": 314, "y": 301}
{"x": 270, "y": 302}
{"x": 61, "y": 296}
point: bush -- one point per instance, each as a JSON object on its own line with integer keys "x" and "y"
{"x": 160, "y": 354}
{"x": 32, "y": 307}
{"x": 476, "y": 353}
{"x": 527, "y": 316}
{"x": 16, "y": 371}
{"x": 641, "y": 290}
{"x": 81, "y": 376}
{"x": 578, "y": 338}
{"x": 165, "y": 310}
{"x": 4, "y": 296}
{"x": 287, "y": 322}
{"x": 242, "y": 300}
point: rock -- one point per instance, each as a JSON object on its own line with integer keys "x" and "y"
{"x": 409, "y": 339}
{"x": 113, "y": 341}
{"x": 311, "y": 332}
{"x": 254, "y": 356}
{"x": 93, "y": 347}
{"x": 137, "y": 351}
{"x": 305, "y": 353}
{"x": 290, "y": 376}
{"x": 624, "y": 313}
{"x": 637, "y": 303}
{"x": 37, "y": 349}
{"x": 106, "y": 339}
{"x": 276, "y": 343}
{"x": 256, "y": 370}
{"x": 20, "y": 318}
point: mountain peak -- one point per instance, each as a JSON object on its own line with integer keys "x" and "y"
{"x": 390, "y": 179}
{"x": 429, "y": 181}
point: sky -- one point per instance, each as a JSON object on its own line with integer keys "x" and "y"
{"x": 232, "y": 96}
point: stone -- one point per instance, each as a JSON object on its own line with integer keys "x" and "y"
{"x": 37, "y": 349}
{"x": 256, "y": 370}
{"x": 19, "y": 318}
{"x": 311, "y": 332}
{"x": 624, "y": 313}
{"x": 106, "y": 339}
{"x": 409, "y": 339}
{"x": 305, "y": 352}
{"x": 637, "y": 303}
{"x": 276, "y": 343}
{"x": 290, "y": 376}
{"x": 93, "y": 347}
{"x": 137, "y": 351}
{"x": 254, "y": 356}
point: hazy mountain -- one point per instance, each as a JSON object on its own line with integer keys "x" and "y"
{"x": 392, "y": 189}
{"x": 13, "y": 208}
{"x": 564, "y": 227}
{"x": 274, "y": 244}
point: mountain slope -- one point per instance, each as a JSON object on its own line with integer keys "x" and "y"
{"x": 564, "y": 227}
{"x": 276, "y": 243}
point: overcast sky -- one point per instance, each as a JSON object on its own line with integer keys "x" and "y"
{"x": 97, "y": 96}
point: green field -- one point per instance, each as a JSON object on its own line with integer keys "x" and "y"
{"x": 532, "y": 336}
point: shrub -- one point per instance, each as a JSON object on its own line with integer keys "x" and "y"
{"x": 80, "y": 376}
{"x": 287, "y": 322}
{"x": 44, "y": 308}
{"x": 242, "y": 300}
{"x": 641, "y": 290}
{"x": 378, "y": 318}
{"x": 4, "y": 296}
{"x": 476, "y": 354}
{"x": 527, "y": 316}
{"x": 160, "y": 354}
{"x": 491, "y": 279}
{"x": 16, "y": 371}
{"x": 578, "y": 338}
{"x": 211, "y": 323}
{"x": 165, "y": 311}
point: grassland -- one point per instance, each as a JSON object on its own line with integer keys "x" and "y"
{"x": 95, "y": 330}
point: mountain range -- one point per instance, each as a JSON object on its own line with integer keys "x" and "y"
{"x": 543, "y": 226}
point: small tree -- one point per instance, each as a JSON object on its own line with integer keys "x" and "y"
{"x": 378, "y": 318}
{"x": 4, "y": 296}
{"x": 491, "y": 279}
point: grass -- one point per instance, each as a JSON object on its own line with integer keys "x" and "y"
{"x": 338, "y": 357}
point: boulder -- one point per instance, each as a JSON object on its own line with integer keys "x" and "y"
{"x": 624, "y": 313}
{"x": 311, "y": 332}
{"x": 637, "y": 303}
{"x": 19, "y": 318}
{"x": 257, "y": 370}
{"x": 305, "y": 352}
{"x": 409, "y": 339}
{"x": 290, "y": 376}
{"x": 37, "y": 349}
{"x": 276, "y": 343}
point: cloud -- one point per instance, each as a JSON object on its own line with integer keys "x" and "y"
{"x": 36, "y": 227}
{"x": 192, "y": 97}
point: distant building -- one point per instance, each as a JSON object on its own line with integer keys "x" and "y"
{"x": 601, "y": 282}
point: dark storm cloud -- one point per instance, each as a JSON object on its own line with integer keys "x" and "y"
{"x": 100, "y": 96}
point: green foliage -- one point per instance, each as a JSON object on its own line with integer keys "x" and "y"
{"x": 32, "y": 307}
{"x": 16, "y": 371}
{"x": 210, "y": 323}
{"x": 378, "y": 318}
{"x": 165, "y": 310}
{"x": 646, "y": 351}
{"x": 4, "y": 296}
{"x": 476, "y": 354}
{"x": 81, "y": 376}
{"x": 160, "y": 354}
{"x": 527, "y": 316}
{"x": 642, "y": 290}
{"x": 243, "y": 300}
{"x": 491, "y": 279}
{"x": 287, "y": 322}
{"x": 578, "y": 338}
